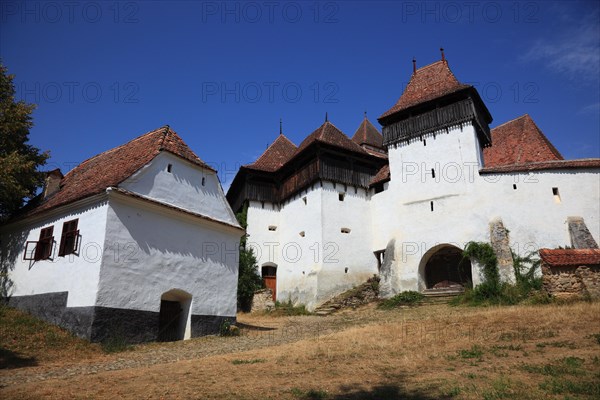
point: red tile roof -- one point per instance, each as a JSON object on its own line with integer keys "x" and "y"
{"x": 368, "y": 134}
{"x": 112, "y": 167}
{"x": 330, "y": 134}
{"x": 545, "y": 165}
{"x": 276, "y": 155}
{"x": 570, "y": 257}
{"x": 383, "y": 175}
{"x": 427, "y": 83}
{"x": 519, "y": 141}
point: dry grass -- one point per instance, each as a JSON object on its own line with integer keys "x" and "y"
{"x": 424, "y": 353}
{"x": 27, "y": 341}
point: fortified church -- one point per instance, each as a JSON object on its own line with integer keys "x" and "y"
{"x": 331, "y": 212}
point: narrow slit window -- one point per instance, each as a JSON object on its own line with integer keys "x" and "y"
{"x": 203, "y": 181}
{"x": 169, "y": 168}
{"x": 514, "y": 186}
{"x": 424, "y": 142}
{"x": 272, "y": 228}
{"x": 556, "y": 195}
{"x": 432, "y": 173}
{"x": 304, "y": 200}
{"x": 345, "y": 230}
{"x": 341, "y": 196}
{"x": 431, "y": 205}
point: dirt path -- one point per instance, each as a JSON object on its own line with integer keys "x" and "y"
{"x": 256, "y": 332}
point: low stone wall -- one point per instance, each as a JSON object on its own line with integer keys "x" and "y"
{"x": 263, "y": 301}
{"x": 571, "y": 272}
{"x": 569, "y": 281}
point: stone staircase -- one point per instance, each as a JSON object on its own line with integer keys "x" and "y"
{"x": 438, "y": 296}
{"x": 355, "y": 297}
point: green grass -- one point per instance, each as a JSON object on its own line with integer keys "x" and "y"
{"x": 289, "y": 309}
{"x": 474, "y": 352}
{"x": 407, "y": 298}
{"x": 311, "y": 394}
{"x": 252, "y": 361}
{"x": 564, "y": 366}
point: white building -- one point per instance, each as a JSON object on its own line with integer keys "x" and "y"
{"x": 330, "y": 213}
{"x": 138, "y": 242}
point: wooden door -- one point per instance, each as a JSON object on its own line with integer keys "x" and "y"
{"x": 271, "y": 283}
{"x": 269, "y": 275}
{"x": 169, "y": 321}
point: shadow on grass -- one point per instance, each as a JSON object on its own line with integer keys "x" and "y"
{"x": 390, "y": 391}
{"x": 10, "y": 360}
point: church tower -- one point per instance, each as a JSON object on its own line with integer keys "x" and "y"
{"x": 437, "y": 129}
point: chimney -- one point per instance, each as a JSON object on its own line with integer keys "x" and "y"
{"x": 52, "y": 182}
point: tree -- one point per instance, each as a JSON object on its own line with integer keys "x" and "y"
{"x": 19, "y": 162}
{"x": 248, "y": 279}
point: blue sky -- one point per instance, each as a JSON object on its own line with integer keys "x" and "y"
{"x": 222, "y": 74}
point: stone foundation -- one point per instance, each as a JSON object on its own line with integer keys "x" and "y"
{"x": 97, "y": 324}
{"x": 572, "y": 281}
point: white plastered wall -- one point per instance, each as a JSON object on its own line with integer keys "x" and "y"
{"x": 77, "y": 274}
{"x": 464, "y": 202}
{"x": 162, "y": 250}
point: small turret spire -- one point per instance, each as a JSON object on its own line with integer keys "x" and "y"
{"x": 365, "y": 115}
{"x": 280, "y": 127}
{"x": 414, "y": 66}
{"x": 443, "y": 56}
{"x": 326, "y": 118}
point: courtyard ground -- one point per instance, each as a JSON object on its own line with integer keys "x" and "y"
{"x": 426, "y": 352}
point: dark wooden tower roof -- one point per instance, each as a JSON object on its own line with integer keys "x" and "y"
{"x": 367, "y": 134}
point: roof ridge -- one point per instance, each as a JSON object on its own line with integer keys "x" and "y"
{"x": 512, "y": 120}
{"x": 113, "y": 149}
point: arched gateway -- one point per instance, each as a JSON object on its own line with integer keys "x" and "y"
{"x": 443, "y": 267}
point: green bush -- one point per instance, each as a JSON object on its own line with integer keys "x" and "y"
{"x": 249, "y": 281}
{"x": 407, "y": 298}
{"x": 493, "y": 292}
{"x": 287, "y": 308}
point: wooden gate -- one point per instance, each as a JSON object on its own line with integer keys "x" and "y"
{"x": 169, "y": 321}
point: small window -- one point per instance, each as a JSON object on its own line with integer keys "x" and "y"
{"x": 169, "y": 168}
{"x": 69, "y": 239}
{"x": 514, "y": 186}
{"x": 43, "y": 249}
{"x": 345, "y": 230}
{"x": 304, "y": 199}
{"x": 203, "y": 181}
{"x": 341, "y": 196}
{"x": 556, "y": 195}
{"x": 424, "y": 142}
{"x": 272, "y": 228}
{"x": 302, "y": 234}
{"x": 432, "y": 173}
{"x": 346, "y": 270}
{"x": 269, "y": 271}
{"x": 431, "y": 205}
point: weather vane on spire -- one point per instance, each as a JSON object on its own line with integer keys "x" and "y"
{"x": 414, "y": 65}
{"x": 443, "y": 56}
{"x": 280, "y": 126}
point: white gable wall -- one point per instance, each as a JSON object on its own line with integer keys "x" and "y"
{"x": 77, "y": 274}
{"x": 164, "y": 250}
{"x": 182, "y": 187}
